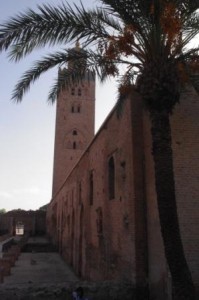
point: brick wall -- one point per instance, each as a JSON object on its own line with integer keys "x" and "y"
{"x": 98, "y": 239}
{"x": 185, "y": 128}
{"x": 120, "y": 238}
{"x": 185, "y": 143}
{"x": 74, "y": 124}
{"x": 34, "y": 221}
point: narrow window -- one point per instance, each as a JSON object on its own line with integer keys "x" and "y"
{"x": 68, "y": 223}
{"x": 91, "y": 188}
{"x": 80, "y": 193}
{"x": 72, "y": 91}
{"x": 111, "y": 178}
{"x": 99, "y": 221}
{"x": 78, "y": 109}
{"x": 74, "y": 132}
{"x": 79, "y": 92}
{"x": 74, "y": 145}
{"x": 72, "y": 109}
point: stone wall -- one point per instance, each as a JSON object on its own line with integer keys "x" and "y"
{"x": 74, "y": 129}
{"x": 34, "y": 221}
{"x": 120, "y": 238}
{"x": 6, "y": 224}
{"x": 185, "y": 144}
{"x": 96, "y": 234}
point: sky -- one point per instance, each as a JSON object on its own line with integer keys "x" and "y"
{"x": 27, "y": 129}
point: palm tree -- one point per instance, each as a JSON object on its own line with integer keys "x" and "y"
{"x": 140, "y": 36}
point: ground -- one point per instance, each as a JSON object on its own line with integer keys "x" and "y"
{"x": 39, "y": 275}
{"x": 45, "y": 276}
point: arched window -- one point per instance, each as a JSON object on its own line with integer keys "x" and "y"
{"x": 111, "y": 178}
{"x": 74, "y": 145}
{"x": 74, "y": 132}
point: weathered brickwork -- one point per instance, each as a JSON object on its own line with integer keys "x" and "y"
{"x": 94, "y": 232}
{"x": 74, "y": 127}
{"x": 185, "y": 143}
{"x": 186, "y": 164}
{"x": 34, "y": 222}
{"x": 103, "y": 216}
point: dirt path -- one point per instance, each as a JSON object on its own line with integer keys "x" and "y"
{"x": 38, "y": 275}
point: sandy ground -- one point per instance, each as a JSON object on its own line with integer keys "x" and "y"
{"x": 39, "y": 276}
{"x": 45, "y": 276}
{"x": 37, "y": 269}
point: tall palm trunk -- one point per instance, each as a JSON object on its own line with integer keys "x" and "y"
{"x": 182, "y": 283}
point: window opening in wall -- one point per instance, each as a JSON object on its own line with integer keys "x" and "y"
{"x": 111, "y": 178}
{"x": 91, "y": 188}
{"x": 72, "y": 109}
{"x": 68, "y": 223}
{"x": 79, "y": 92}
{"x": 80, "y": 193}
{"x": 74, "y": 145}
{"x": 72, "y": 238}
{"x": 74, "y": 132}
{"x": 78, "y": 109}
{"x": 99, "y": 221}
{"x": 72, "y": 91}
{"x": 19, "y": 229}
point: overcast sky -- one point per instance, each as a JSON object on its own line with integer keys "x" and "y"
{"x": 27, "y": 129}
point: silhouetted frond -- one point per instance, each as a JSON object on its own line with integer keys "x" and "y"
{"x": 132, "y": 33}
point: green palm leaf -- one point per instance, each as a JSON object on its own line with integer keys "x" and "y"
{"x": 52, "y": 26}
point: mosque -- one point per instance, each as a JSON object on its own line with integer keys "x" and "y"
{"x": 103, "y": 213}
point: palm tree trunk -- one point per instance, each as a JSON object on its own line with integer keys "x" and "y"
{"x": 182, "y": 283}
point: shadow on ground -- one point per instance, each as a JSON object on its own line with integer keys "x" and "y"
{"x": 41, "y": 274}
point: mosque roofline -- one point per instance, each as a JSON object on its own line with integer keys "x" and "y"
{"x": 102, "y": 127}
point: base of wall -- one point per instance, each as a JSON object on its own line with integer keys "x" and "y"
{"x": 94, "y": 291}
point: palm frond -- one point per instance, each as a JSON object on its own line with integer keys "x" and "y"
{"x": 130, "y": 9}
{"x": 191, "y": 25}
{"x": 125, "y": 85}
{"x": 190, "y": 6}
{"x": 134, "y": 13}
{"x": 188, "y": 54}
{"x": 36, "y": 71}
{"x": 82, "y": 62}
{"x": 95, "y": 64}
{"x": 66, "y": 78}
{"x": 54, "y": 25}
{"x": 134, "y": 23}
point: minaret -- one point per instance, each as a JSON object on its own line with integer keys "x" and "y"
{"x": 74, "y": 127}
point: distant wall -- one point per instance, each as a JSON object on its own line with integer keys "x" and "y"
{"x": 34, "y": 221}
{"x": 5, "y": 224}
